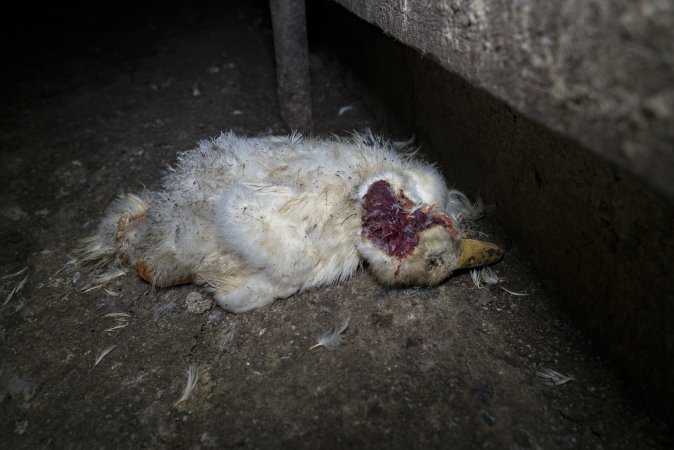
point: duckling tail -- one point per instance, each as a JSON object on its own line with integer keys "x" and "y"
{"x": 113, "y": 241}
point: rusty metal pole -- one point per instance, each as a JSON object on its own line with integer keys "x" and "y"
{"x": 292, "y": 62}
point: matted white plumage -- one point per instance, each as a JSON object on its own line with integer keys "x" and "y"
{"x": 262, "y": 218}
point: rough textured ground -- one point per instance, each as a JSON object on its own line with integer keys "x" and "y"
{"x": 454, "y": 366}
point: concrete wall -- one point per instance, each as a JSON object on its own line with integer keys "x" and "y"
{"x": 601, "y": 237}
{"x": 601, "y": 72}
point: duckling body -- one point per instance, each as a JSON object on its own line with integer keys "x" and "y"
{"x": 257, "y": 219}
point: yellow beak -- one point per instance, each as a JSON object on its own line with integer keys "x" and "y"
{"x": 476, "y": 253}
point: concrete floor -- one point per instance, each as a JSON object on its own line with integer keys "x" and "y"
{"x": 97, "y": 114}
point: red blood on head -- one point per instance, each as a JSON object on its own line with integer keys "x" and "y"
{"x": 392, "y": 222}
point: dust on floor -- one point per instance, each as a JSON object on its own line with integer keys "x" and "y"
{"x": 455, "y": 366}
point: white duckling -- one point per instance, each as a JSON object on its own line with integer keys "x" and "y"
{"x": 256, "y": 219}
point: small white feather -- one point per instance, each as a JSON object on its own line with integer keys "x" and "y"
{"x": 333, "y": 339}
{"x": 104, "y": 278}
{"x": 519, "y": 294}
{"x": 15, "y": 274}
{"x": 488, "y": 276}
{"x": 71, "y": 262}
{"x": 344, "y": 109}
{"x": 192, "y": 379}
{"x": 15, "y": 290}
{"x": 121, "y": 318}
{"x": 117, "y": 327}
{"x": 483, "y": 276}
{"x": 103, "y": 353}
{"x": 553, "y": 377}
{"x": 118, "y": 315}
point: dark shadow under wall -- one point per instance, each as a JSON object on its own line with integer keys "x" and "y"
{"x": 602, "y": 240}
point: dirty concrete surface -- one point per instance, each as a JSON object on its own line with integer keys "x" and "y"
{"x": 95, "y": 115}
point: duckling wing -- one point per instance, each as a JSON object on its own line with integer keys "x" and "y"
{"x": 305, "y": 238}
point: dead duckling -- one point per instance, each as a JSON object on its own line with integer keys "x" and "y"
{"x": 256, "y": 219}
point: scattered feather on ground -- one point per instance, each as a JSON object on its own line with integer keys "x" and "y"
{"x": 15, "y": 274}
{"x": 103, "y": 353}
{"x": 333, "y": 339}
{"x": 553, "y": 377}
{"x": 104, "y": 278}
{"x": 486, "y": 276}
{"x": 344, "y": 109}
{"x": 16, "y": 288}
{"x": 519, "y": 294}
{"x": 117, "y": 315}
{"x": 71, "y": 262}
{"x": 483, "y": 276}
{"x": 121, "y": 318}
{"x": 192, "y": 379}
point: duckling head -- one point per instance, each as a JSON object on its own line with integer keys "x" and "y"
{"x": 407, "y": 242}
